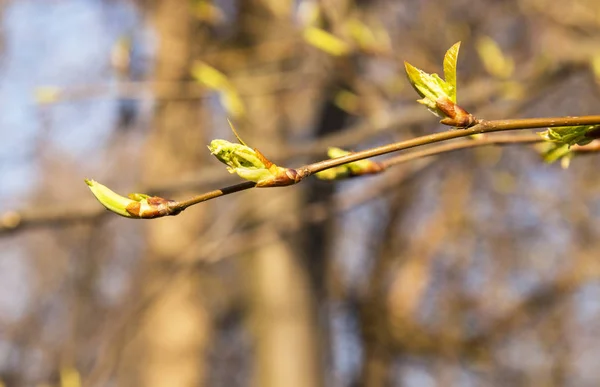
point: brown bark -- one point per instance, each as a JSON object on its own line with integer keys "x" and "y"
{"x": 175, "y": 328}
{"x": 282, "y": 308}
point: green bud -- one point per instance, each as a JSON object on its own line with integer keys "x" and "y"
{"x": 252, "y": 165}
{"x": 355, "y": 168}
{"x": 240, "y": 159}
{"x": 336, "y": 173}
{"x": 110, "y": 199}
{"x": 135, "y": 206}
{"x": 235, "y": 155}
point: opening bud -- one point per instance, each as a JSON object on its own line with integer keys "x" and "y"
{"x": 135, "y": 206}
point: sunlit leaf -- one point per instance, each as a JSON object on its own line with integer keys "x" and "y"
{"x": 326, "y": 41}
{"x": 207, "y": 11}
{"x": 493, "y": 59}
{"x": 569, "y": 135}
{"x": 439, "y": 95}
{"x": 232, "y": 102}
{"x": 450, "y": 61}
{"x": 209, "y": 76}
{"x": 368, "y": 37}
{"x": 347, "y": 101}
{"x": 110, "y": 199}
{"x": 355, "y": 168}
{"x": 561, "y": 139}
{"x": 429, "y": 86}
{"x": 216, "y": 80}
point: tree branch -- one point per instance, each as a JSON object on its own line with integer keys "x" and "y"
{"x": 12, "y": 220}
{"x": 480, "y": 128}
{"x": 463, "y": 144}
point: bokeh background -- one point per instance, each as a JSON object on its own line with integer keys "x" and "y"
{"x": 476, "y": 268}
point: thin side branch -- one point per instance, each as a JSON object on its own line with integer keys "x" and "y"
{"x": 462, "y": 144}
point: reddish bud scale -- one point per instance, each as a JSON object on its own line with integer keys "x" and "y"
{"x": 263, "y": 158}
{"x": 455, "y": 115}
{"x": 159, "y": 207}
{"x": 282, "y": 178}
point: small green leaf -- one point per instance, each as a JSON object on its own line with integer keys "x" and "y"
{"x": 355, "y": 168}
{"x": 326, "y": 41}
{"x": 428, "y": 86}
{"x": 561, "y": 139}
{"x": 209, "y": 76}
{"x": 347, "y": 101}
{"x": 206, "y": 11}
{"x": 552, "y": 152}
{"x": 371, "y": 38}
{"x": 232, "y": 102}
{"x": 450, "y": 61}
{"x": 440, "y": 95}
{"x": 431, "y": 87}
{"x": 493, "y": 59}
{"x": 216, "y": 80}
{"x": 569, "y": 135}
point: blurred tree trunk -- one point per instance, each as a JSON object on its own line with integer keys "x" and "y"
{"x": 282, "y": 305}
{"x": 175, "y": 328}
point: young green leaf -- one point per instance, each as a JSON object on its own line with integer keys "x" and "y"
{"x": 369, "y": 38}
{"x": 325, "y": 41}
{"x": 569, "y": 135}
{"x": 216, "y": 80}
{"x": 440, "y": 95}
{"x": 450, "y": 61}
{"x": 493, "y": 59}
{"x": 561, "y": 139}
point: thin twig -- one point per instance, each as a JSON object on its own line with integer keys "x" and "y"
{"x": 11, "y": 220}
{"x": 213, "y": 194}
{"x": 462, "y": 144}
{"x": 480, "y": 128}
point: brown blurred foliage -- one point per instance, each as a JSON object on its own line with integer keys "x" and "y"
{"x": 473, "y": 268}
